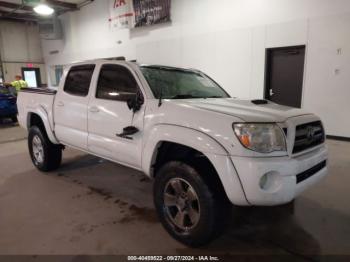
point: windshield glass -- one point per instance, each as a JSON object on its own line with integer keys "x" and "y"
{"x": 173, "y": 83}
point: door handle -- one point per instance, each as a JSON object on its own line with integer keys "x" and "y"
{"x": 271, "y": 92}
{"x": 94, "y": 109}
{"x": 60, "y": 103}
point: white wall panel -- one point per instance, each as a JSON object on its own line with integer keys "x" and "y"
{"x": 14, "y": 42}
{"x": 232, "y": 60}
{"x": 327, "y": 90}
{"x": 258, "y": 62}
{"x": 20, "y": 42}
{"x": 34, "y": 44}
{"x": 286, "y": 34}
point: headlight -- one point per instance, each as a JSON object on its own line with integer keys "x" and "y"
{"x": 262, "y": 138}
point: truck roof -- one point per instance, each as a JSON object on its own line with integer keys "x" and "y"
{"x": 122, "y": 60}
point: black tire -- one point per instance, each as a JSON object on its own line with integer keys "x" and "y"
{"x": 211, "y": 207}
{"x": 14, "y": 119}
{"x": 51, "y": 154}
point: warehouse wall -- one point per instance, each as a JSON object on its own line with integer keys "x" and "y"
{"x": 228, "y": 41}
{"x": 19, "y": 45}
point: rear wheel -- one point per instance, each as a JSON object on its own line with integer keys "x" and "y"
{"x": 187, "y": 208}
{"x": 45, "y": 155}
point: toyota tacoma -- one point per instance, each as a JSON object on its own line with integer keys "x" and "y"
{"x": 202, "y": 148}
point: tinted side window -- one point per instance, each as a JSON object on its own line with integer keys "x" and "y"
{"x": 116, "y": 83}
{"x": 78, "y": 80}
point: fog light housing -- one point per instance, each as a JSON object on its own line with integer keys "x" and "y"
{"x": 271, "y": 181}
{"x": 263, "y": 181}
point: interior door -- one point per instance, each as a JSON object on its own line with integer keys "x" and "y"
{"x": 109, "y": 115}
{"x": 32, "y": 76}
{"x": 70, "y": 107}
{"x": 284, "y": 75}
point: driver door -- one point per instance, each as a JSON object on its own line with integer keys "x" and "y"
{"x": 109, "y": 114}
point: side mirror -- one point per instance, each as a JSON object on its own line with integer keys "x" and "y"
{"x": 131, "y": 102}
{"x": 135, "y": 102}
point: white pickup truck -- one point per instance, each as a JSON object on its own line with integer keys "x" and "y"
{"x": 203, "y": 148}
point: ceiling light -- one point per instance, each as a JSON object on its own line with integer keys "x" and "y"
{"x": 43, "y": 9}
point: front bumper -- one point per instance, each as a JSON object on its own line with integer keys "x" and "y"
{"x": 279, "y": 186}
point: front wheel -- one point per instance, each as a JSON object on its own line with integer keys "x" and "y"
{"x": 45, "y": 155}
{"x": 187, "y": 208}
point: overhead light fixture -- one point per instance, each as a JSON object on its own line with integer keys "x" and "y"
{"x": 43, "y": 9}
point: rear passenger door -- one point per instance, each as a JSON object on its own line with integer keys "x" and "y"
{"x": 71, "y": 107}
{"x": 109, "y": 115}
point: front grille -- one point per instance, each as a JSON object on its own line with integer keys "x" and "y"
{"x": 308, "y": 135}
{"x": 310, "y": 172}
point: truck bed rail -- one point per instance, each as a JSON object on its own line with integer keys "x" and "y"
{"x": 44, "y": 91}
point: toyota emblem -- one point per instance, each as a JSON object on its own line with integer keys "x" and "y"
{"x": 310, "y": 134}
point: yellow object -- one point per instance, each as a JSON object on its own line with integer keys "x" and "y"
{"x": 19, "y": 84}
{"x": 245, "y": 139}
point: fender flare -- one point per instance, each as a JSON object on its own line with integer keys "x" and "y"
{"x": 200, "y": 141}
{"x": 41, "y": 112}
{"x": 177, "y": 134}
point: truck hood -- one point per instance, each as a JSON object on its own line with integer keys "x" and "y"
{"x": 244, "y": 109}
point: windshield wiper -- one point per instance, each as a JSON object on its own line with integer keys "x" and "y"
{"x": 213, "y": 97}
{"x": 183, "y": 97}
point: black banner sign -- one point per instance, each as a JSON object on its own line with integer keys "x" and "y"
{"x": 150, "y": 12}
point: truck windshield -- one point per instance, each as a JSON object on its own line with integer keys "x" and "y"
{"x": 174, "y": 83}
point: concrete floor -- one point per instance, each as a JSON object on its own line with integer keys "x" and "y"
{"x": 92, "y": 206}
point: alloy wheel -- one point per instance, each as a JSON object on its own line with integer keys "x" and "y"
{"x": 181, "y": 204}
